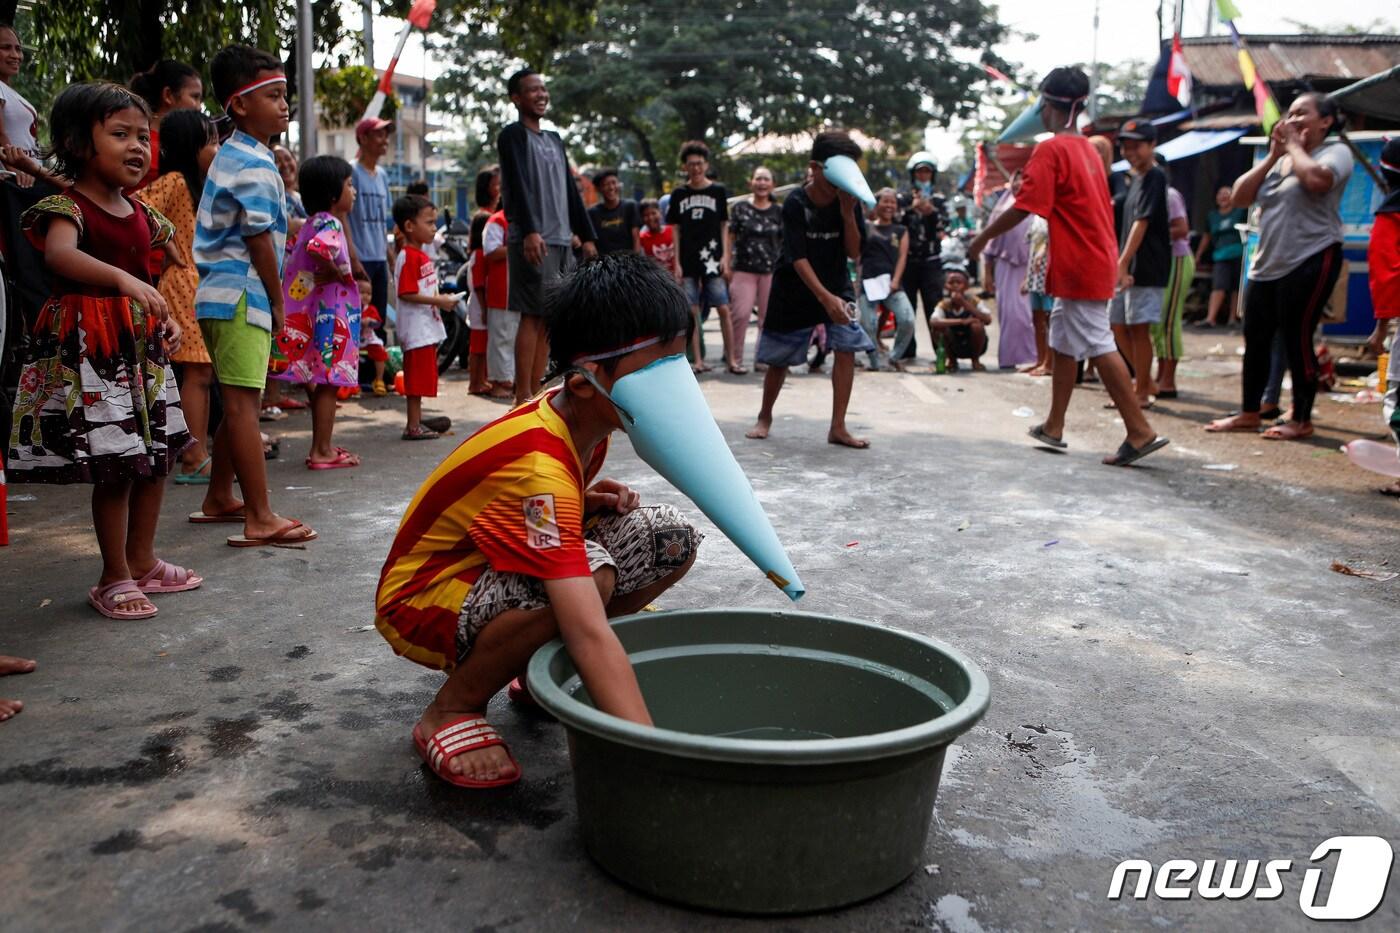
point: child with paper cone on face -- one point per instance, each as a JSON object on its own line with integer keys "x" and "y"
{"x": 513, "y": 540}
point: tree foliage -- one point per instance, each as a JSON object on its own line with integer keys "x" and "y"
{"x": 670, "y": 69}
{"x": 343, "y": 93}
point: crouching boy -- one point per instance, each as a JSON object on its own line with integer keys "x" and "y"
{"x": 513, "y": 540}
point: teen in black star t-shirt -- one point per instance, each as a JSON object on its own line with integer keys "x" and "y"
{"x": 699, "y": 214}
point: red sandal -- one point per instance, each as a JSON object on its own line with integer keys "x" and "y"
{"x": 461, "y": 735}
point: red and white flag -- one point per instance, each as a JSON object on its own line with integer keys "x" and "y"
{"x": 1178, "y": 74}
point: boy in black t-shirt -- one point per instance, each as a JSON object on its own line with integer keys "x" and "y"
{"x": 615, "y": 219}
{"x": 699, "y": 215}
{"x": 822, "y": 229}
{"x": 1145, "y": 255}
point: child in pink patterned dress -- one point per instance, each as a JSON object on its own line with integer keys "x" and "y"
{"x": 319, "y": 344}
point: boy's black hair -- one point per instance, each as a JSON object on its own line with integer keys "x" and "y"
{"x": 75, "y": 112}
{"x": 611, "y": 303}
{"x": 647, "y": 204}
{"x": 694, "y": 147}
{"x": 514, "y": 81}
{"x": 406, "y": 208}
{"x": 183, "y": 135}
{"x": 417, "y": 186}
{"x": 321, "y": 180}
{"x": 834, "y": 142}
{"x": 1065, "y": 88}
{"x": 483, "y": 185}
{"x": 166, "y": 73}
{"x": 236, "y": 66}
{"x": 602, "y": 173}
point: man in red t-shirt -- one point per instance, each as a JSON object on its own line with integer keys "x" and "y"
{"x": 1064, "y": 183}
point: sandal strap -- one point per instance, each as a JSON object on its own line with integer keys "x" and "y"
{"x": 460, "y": 737}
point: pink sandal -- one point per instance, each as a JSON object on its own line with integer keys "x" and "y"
{"x": 168, "y": 578}
{"x": 343, "y": 459}
{"x": 110, "y": 600}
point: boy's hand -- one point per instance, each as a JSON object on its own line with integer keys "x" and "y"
{"x": 590, "y": 250}
{"x": 609, "y": 495}
{"x": 150, "y": 299}
{"x": 835, "y": 308}
{"x": 534, "y": 249}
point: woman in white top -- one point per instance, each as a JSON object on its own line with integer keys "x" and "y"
{"x": 19, "y": 121}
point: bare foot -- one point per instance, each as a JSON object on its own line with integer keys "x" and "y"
{"x": 216, "y": 506}
{"x": 1244, "y": 421}
{"x": 1290, "y": 431}
{"x": 255, "y": 529}
{"x": 977, "y": 366}
{"x": 13, "y": 665}
{"x": 501, "y": 391}
{"x": 844, "y": 438}
{"x": 760, "y": 429}
{"x": 700, "y": 367}
{"x": 487, "y": 764}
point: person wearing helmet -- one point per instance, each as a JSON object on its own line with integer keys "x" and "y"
{"x": 923, "y": 214}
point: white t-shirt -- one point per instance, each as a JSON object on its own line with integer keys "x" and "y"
{"x": 419, "y": 325}
{"x": 21, "y": 120}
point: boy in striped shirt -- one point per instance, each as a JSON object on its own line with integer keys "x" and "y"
{"x": 240, "y": 232}
{"x": 513, "y": 541}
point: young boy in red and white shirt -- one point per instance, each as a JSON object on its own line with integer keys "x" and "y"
{"x": 419, "y": 327}
{"x": 657, "y": 239}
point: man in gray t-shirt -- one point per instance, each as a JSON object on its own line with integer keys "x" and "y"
{"x": 544, "y": 212}
{"x": 1294, "y": 223}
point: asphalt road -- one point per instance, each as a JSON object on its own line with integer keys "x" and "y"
{"x": 1176, "y": 674}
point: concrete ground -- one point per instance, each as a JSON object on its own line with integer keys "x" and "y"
{"x": 1175, "y": 670}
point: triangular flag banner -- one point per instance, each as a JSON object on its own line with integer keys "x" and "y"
{"x": 1179, "y": 74}
{"x": 421, "y": 12}
{"x": 1226, "y": 10}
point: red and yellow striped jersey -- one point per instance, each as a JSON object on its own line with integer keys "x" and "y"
{"x": 510, "y": 496}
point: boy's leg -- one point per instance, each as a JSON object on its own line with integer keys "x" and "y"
{"x": 843, "y": 372}
{"x": 697, "y": 360}
{"x": 194, "y": 401}
{"x": 1140, "y": 339}
{"x": 415, "y": 413}
{"x": 220, "y": 499}
{"x": 527, "y": 338}
{"x": 110, "y": 506}
{"x": 726, "y": 328}
{"x": 977, "y": 334}
{"x": 772, "y": 384}
{"x": 903, "y": 312}
{"x": 239, "y": 433}
{"x": 1063, "y": 375}
{"x": 870, "y": 323}
{"x": 1114, "y": 373}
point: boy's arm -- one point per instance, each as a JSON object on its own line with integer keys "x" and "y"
{"x": 1135, "y": 238}
{"x": 594, "y": 648}
{"x": 1201, "y": 248}
{"x": 850, "y": 225}
{"x": 833, "y": 305}
{"x": 901, "y": 261}
{"x": 436, "y": 301}
{"x": 264, "y": 256}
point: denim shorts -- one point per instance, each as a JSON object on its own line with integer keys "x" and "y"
{"x": 712, "y": 288}
{"x": 1136, "y": 305}
{"x": 789, "y": 348}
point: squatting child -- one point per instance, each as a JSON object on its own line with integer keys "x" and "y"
{"x": 240, "y": 235}
{"x": 96, "y": 401}
{"x": 513, "y": 540}
{"x": 958, "y": 322}
{"x": 420, "y": 328}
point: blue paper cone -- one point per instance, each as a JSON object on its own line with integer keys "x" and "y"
{"x": 674, "y": 432}
{"x": 843, "y": 172}
{"x": 1025, "y": 127}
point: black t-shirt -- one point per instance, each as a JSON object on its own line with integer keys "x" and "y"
{"x": 699, "y": 216}
{"x": 816, "y": 234}
{"x": 756, "y": 236}
{"x": 614, "y": 227}
{"x": 1147, "y": 200}
{"x": 880, "y": 253}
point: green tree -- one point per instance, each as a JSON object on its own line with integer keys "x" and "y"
{"x": 343, "y": 93}
{"x": 673, "y": 69}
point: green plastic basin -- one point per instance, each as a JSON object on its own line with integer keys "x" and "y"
{"x": 794, "y": 762}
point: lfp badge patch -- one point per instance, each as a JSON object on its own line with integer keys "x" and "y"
{"x": 541, "y": 523}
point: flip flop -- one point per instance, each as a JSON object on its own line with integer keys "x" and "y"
{"x": 230, "y": 517}
{"x": 109, "y": 600}
{"x": 282, "y": 537}
{"x": 1128, "y": 454}
{"x": 438, "y": 423}
{"x": 738, "y": 371}
{"x": 461, "y": 735}
{"x": 1038, "y": 432}
{"x": 421, "y": 433}
{"x": 1168, "y": 393}
{"x": 343, "y": 459}
{"x": 167, "y": 578}
{"x": 271, "y": 413}
{"x": 1235, "y": 428}
{"x": 1276, "y": 432}
{"x": 292, "y": 404}
{"x": 197, "y": 477}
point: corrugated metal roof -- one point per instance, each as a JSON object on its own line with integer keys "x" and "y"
{"x": 1214, "y": 61}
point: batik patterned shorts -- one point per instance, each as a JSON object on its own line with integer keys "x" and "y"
{"x": 642, "y": 546}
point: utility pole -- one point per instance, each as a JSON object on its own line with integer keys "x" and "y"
{"x": 306, "y": 81}
{"x": 1210, "y": 17}
{"x": 368, "y": 7}
{"x": 1094, "y": 71}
